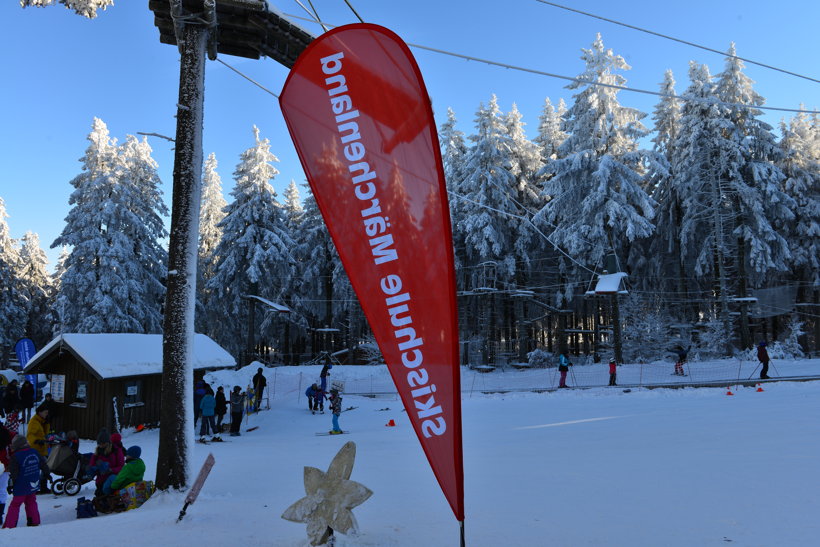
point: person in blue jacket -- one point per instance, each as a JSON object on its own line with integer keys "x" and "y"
{"x": 563, "y": 368}
{"x": 315, "y": 397}
{"x": 199, "y": 393}
{"x": 208, "y": 408}
{"x": 25, "y": 465}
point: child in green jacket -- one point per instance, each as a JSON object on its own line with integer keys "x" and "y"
{"x": 132, "y": 471}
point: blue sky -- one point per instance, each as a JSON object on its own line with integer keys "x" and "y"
{"x": 61, "y": 70}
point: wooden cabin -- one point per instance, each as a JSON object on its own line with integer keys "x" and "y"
{"x": 112, "y": 380}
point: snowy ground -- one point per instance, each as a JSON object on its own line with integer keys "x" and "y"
{"x": 672, "y": 467}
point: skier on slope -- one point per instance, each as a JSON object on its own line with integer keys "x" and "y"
{"x": 681, "y": 353}
{"x": 612, "y": 371}
{"x": 336, "y": 409}
{"x": 563, "y": 368}
{"x": 763, "y": 357}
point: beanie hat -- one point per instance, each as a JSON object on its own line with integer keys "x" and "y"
{"x": 134, "y": 452}
{"x": 116, "y": 438}
{"x": 19, "y": 442}
{"x": 103, "y": 437}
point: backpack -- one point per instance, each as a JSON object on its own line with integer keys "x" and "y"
{"x": 85, "y": 509}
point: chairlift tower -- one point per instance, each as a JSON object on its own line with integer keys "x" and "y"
{"x": 245, "y": 28}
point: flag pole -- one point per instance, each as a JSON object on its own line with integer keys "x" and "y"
{"x": 461, "y": 525}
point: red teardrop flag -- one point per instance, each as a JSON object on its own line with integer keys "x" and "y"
{"x": 359, "y": 114}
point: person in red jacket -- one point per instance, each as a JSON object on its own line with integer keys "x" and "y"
{"x": 763, "y": 357}
{"x": 612, "y": 365}
{"x": 107, "y": 459}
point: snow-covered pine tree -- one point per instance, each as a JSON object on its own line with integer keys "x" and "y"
{"x": 598, "y": 204}
{"x": 254, "y": 255}
{"x": 453, "y": 156}
{"x": 551, "y": 133}
{"x": 525, "y": 164}
{"x": 318, "y": 266}
{"x": 38, "y": 288}
{"x": 103, "y": 287}
{"x": 293, "y": 206}
{"x": 144, "y": 227}
{"x": 761, "y": 204}
{"x": 801, "y": 166}
{"x": 85, "y": 8}
{"x": 489, "y": 222}
{"x": 663, "y": 257}
{"x": 211, "y": 213}
{"x": 704, "y": 158}
{"x": 12, "y": 302}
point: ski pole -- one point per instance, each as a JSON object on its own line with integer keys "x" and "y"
{"x": 753, "y": 372}
{"x": 774, "y": 367}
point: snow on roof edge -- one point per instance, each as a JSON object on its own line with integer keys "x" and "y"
{"x": 116, "y": 355}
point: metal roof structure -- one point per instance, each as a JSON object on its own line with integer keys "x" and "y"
{"x": 244, "y": 28}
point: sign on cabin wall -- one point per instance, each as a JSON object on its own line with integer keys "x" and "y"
{"x": 58, "y": 387}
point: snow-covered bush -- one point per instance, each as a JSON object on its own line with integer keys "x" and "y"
{"x": 539, "y": 358}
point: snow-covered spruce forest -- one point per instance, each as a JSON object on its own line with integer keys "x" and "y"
{"x": 707, "y": 209}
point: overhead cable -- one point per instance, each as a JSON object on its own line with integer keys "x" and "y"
{"x": 254, "y": 82}
{"x": 705, "y": 100}
{"x": 678, "y": 40}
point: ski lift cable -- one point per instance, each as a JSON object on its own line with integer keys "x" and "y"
{"x": 528, "y": 220}
{"x": 251, "y": 80}
{"x": 704, "y": 100}
{"x": 316, "y": 14}
{"x": 633, "y": 27}
{"x": 359, "y": 17}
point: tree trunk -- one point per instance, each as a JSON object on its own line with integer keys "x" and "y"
{"x": 176, "y": 415}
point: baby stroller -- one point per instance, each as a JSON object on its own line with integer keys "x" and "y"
{"x": 70, "y": 466}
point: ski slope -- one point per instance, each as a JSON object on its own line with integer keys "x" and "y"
{"x": 673, "y": 467}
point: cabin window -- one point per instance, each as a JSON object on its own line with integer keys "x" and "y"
{"x": 133, "y": 393}
{"x": 81, "y": 394}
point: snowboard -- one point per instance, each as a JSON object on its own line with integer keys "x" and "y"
{"x": 329, "y": 434}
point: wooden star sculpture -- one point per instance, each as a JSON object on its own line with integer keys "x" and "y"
{"x": 330, "y": 498}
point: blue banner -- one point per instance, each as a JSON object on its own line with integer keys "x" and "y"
{"x": 24, "y": 348}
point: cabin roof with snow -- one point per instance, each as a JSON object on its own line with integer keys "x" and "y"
{"x": 122, "y": 355}
{"x": 609, "y": 284}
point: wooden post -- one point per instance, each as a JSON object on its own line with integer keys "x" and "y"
{"x": 178, "y": 326}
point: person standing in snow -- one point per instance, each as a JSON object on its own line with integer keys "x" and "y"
{"x": 25, "y": 467}
{"x": 36, "y": 433}
{"x": 6, "y": 437}
{"x": 681, "y": 353}
{"x": 207, "y": 406}
{"x": 612, "y": 371}
{"x": 325, "y": 373}
{"x": 199, "y": 393}
{"x": 563, "y": 368}
{"x": 221, "y": 407}
{"x": 259, "y": 383}
{"x": 336, "y": 410}
{"x": 763, "y": 357}
{"x": 27, "y": 399}
{"x": 237, "y": 405}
